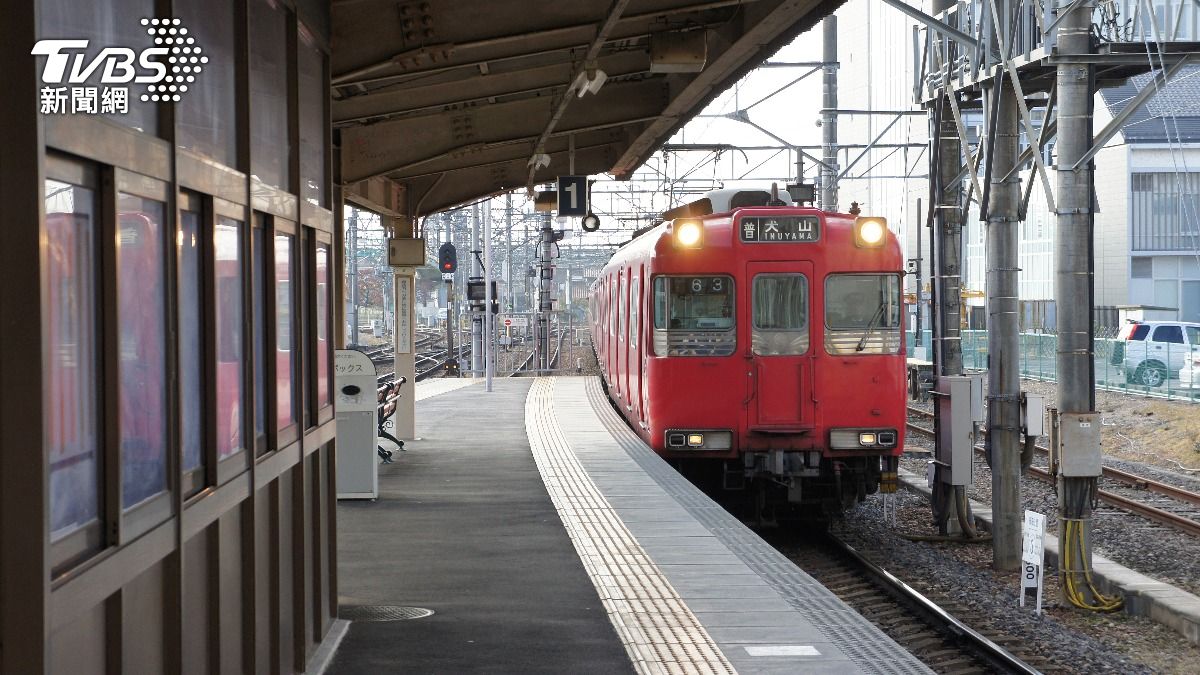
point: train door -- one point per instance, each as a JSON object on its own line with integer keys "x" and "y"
{"x": 779, "y": 351}
{"x": 622, "y": 342}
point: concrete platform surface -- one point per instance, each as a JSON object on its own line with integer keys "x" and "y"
{"x": 548, "y": 538}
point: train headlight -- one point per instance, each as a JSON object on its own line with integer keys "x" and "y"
{"x": 866, "y": 439}
{"x": 869, "y": 232}
{"x": 695, "y": 440}
{"x": 688, "y": 233}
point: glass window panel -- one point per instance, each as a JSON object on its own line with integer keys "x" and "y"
{"x": 227, "y": 263}
{"x": 260, "y": 318}
{"x": 633, "y": 311}
{"x": 701, "y": 303}
{"x": 660, "y": 302}
{"x": 104, "y": 24}
{"x": 285, "y": 339}
{"x": 324, "y": 340}
{"x": 206, "y": 116}
{"x": 191, "y": 346}
{"x": 310, "y": 62}
{"x": 269, "y": 148}
{"x": 69, "y": 362}
{"x": 1169, "y": 334}
{"x": 1189, "y": 308}
{"x": 780, "y": 309}
{"x": 862, "y": 314}
{"x": 141, "y": 342}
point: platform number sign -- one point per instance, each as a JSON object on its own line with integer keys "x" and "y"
{"x": 1032, "y": 552}
{"x": 572, "y": 196}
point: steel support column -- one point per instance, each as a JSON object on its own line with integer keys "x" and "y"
{"x": 1073, "y": 291}
{"x": 1004, "y": 379}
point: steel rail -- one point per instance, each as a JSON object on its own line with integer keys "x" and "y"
{"x": 1162, "y": 516}
{"x": 995, "y": 655}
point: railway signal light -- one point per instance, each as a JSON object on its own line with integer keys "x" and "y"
{"x": 869, "y": 231}
{"x": 447, "y": 258}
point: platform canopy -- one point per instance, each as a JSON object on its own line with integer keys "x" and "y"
{"x": 455, "y": 100}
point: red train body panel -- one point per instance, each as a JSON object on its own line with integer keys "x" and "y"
{"x": 756, "y": 349}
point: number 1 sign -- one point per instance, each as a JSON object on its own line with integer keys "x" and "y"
{"x": 572, "y": 196}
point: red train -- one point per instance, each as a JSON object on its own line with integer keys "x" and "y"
{"x": 760, "y": 345}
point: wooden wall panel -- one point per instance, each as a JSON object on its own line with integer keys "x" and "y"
{"x": 289, "y": 510}
{"x": 142, "y": 618}
{"x": 232, "y": 630}
{"x": 80, "y": 647}
{"x": 265, "y": 580}
{"x": 197, "y": 610}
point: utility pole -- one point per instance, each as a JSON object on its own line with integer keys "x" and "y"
{"x": 1078, "y": 424}
{"x": 1004, "y": 378}
{"x": 476, "y": 309}
{"x": 545, "y": 293}
{"x": 829, "y": 151}
{"x": 489, "y": 354}
{"x": 508, "y": 253}
{"x": 352, "y": 273}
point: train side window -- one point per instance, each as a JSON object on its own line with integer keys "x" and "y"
{"x": 71, "y": 391}
{"x": 228, "y": 287}
{"x": 862, "y": 314}
{"x": 660, "y": 303}
{"x": 622, "y": 306}
{"x": 780, "y": 315}
{"x": 141, "y": 348}
{"x": 634, "y": 310}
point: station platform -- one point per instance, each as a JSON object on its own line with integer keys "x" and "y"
{"x": 547, "y": 538}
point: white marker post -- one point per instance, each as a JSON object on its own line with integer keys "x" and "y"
{"x": 1032, "y": 552}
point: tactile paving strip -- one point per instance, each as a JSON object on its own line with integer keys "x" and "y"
{"x": 858, "y": 638}
{"x": 660, "y": 633}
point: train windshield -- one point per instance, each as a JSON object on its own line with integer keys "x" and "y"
{"x": 862, "y": 314}
{"x": 693, "y": 316}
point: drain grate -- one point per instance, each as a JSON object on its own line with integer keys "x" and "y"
{"x": 382, "y": 613}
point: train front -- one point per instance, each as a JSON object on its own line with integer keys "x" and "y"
{"x": 806, "y": 404}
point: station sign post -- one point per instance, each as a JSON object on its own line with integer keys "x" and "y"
{"x": 572, "y": 196}
{"x": 1032, "y": 557}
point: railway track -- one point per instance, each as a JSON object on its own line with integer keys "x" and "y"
{"x": 936, "y": 630}
{"x": 1173, "y": 506}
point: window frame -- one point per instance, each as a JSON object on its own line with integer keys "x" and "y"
{"x": 89, "y": 539}
{"x": 239, "y": 461}
{"x": 146, "y": 515}
{"x": 291, "y": 433}
{"x": 828, "y": 330}
{"x": 194, "y": 480}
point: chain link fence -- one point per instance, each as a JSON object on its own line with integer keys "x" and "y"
{"x": 1135, "y": 371}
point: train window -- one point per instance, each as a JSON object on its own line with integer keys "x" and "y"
{"x": 862, "y": 314}
{"x": 285, "y": 338}
{"x": 191, "y": 342}
{"x": 228, "y": 264}
{"x": 622, "y": 306}
{"x": 141, "y": 348}
{"x": 780, "y": 312}
{"x": 634, "y": 310}
{"x": 660, "y": 303}
{"x": 323, "y": 324}
{"x": 70, "y": 390}
{"x": 698, "y": 313}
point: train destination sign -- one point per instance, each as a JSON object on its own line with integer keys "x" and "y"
{"x": 772, "y": 229}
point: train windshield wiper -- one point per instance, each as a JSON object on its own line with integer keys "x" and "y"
{"x": 862, "y": 343}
